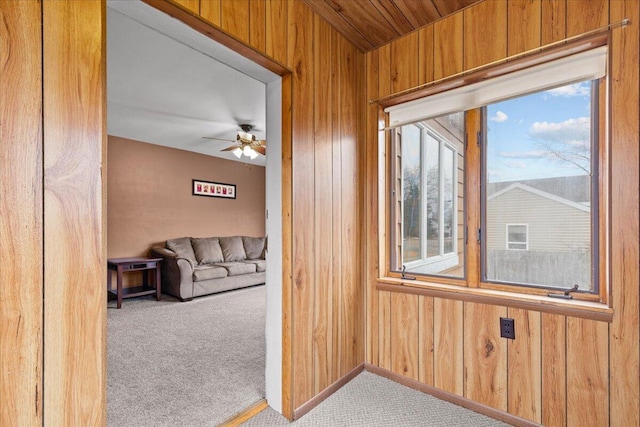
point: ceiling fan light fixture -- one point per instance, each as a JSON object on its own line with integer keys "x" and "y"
{"x": 253, "y": 154}
{"x": 238, "y": 152}
{"x": 247, "y": 151}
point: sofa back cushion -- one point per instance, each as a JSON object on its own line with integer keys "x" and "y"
{"x": 253, "y": 247}
{"x": 232, "y": 248}
{"x": 207, "y": 250}
{"x": 182, "y": 248}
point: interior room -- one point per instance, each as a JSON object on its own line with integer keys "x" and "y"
{"x": 503, "y": 278}
{"x": 175, "y": 113}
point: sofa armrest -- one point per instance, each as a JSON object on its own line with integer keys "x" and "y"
{"x": 177, "y": 273}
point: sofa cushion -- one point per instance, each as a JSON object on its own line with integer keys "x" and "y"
{"x": 207, "y": 250}
{"x": 232, "y": 249}
{"x": 253, "y": 247}
{"x": 206, "y": 272}
{"x": 238, "y": 268}
{"x": 182, "y": 248}
{"x": 261, "y": 265}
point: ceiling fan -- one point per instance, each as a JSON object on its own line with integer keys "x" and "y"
{"x": 246, "y": 143}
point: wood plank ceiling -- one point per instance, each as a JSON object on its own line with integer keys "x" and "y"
{"x": 369, "y": 24}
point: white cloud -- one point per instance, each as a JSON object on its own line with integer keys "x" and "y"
{"x": 533, "y": 154}
{"x": 499, "y": 117}
{"x": 576, "y": 89}
{"x": 574, "y": 132}
{"x": 516, "y": 164}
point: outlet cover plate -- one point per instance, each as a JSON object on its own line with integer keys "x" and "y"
{"x": 507, "y": 328}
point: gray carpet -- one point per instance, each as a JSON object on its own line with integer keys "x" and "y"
{"x": 370, "y": 401}
{"x": 195, "y": 363}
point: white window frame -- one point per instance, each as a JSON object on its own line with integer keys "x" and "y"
{"x": 526, "y": 241}
{"x": 442, "y": 261}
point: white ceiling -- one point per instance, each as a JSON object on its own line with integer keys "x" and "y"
{"x": 170, "y": 85}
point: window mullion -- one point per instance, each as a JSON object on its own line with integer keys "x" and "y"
{"x": 472, "y": 188}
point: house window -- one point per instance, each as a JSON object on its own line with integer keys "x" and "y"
{"x": 517, "y": 237}
{"x": 428, "y": 171}
{"x": 505, "y": 173}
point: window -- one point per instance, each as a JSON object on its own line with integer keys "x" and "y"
{"x": 429, "y": 172}
{"x": 517, "y": 237}
{"x": 506, "y": 173}
{"x": 540, "y": 169}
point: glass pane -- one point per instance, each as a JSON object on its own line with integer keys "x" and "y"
{"x": 538, "y": 172}
{"x": 433, "y": 196}
{"x": 448, "y": 192}
{"x": 412, "y": 201}
{"x": 517, "y": 233}
{"x": 432, "y": 173}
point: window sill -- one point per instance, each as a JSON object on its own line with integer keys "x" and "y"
{"x": 574, "y": 308}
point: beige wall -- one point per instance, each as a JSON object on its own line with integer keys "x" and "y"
{"x": 149, "y": 197}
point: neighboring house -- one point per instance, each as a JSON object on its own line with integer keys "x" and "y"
{"x": 538, "y": 232}
{"x": 551, "y": 215}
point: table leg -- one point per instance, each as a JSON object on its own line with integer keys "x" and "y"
{"x": 158, "y": 283}
{"x": 119, "y": 284}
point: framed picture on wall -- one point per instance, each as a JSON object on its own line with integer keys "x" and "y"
{"x": 213, "y": 189}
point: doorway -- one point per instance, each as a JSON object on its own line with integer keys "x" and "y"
{"x": 273, "y": 170}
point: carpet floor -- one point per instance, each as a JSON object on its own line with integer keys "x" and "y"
{"x": 373, "y": 401}
{"x": 196, "y": 363}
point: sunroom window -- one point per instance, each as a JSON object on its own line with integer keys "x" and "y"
{"x": 430, "y": 166}
{"x": 503, "y": 177}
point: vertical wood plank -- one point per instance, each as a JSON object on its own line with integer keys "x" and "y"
{"x": 425, "y": 340}
{"x": 211, "y": 11}
{"x": 554, "y": 20}
{"x": 322, "y": 328}
{"x": 425, "y": 55}
{"x": 404, "y": 335}
{"x": 625, "y": 130}
{"x": 583, "y": 16}
{"x": 587, "y": 372}
{"x": 235, "y": 17}
{"x": 21, "y": 219}
{"x": 384, "y": 57}
{"x": 258, "y": 24}
{"x": 448, "y": 350}
{"x": 554, "y": 370}
{"x": 348, "y": 101}
{"x": 192, "y": 5}
{"x": 74, "y": 251}
{"x": 301, "y": 52}
{"x": 524, "y": 25}
{"x": 404, "y": 62}
{"x": 287, "y": 247}
{"x": 336, "y": 213}
{"x": 276, "y": 33}
{"x": 484, "y": 42}
{"x": 371, "y": 209}
{"x": 524, "y": 371}
{"x": 485, "y": 355}
{"x": 384, "y": 329}
{"x": 448, "y": 52}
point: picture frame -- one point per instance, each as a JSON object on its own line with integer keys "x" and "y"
{"x": 212, "y": 189}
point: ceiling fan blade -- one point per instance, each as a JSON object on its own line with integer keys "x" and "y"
{"x": 217, "y": 139}
{"x": 261, "y": 142}
{"x": 260, "y": 149}
{"x": 233, "y": 147}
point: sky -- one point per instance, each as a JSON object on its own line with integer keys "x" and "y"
{"x": 523, "y": 133}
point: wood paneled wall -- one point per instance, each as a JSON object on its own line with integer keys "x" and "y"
{"x": 560, "y": 370}
{"x": 327, "y": 101}
{"x": 21, "y": 212}
{"x": 52, "y": 299}
{"x": 53, "y": 198}
{"x": 74, "y": 111}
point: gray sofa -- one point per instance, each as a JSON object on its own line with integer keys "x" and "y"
{"x": 194, "y": 267}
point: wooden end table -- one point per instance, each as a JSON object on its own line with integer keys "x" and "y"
{"x": 122, "y": 265}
